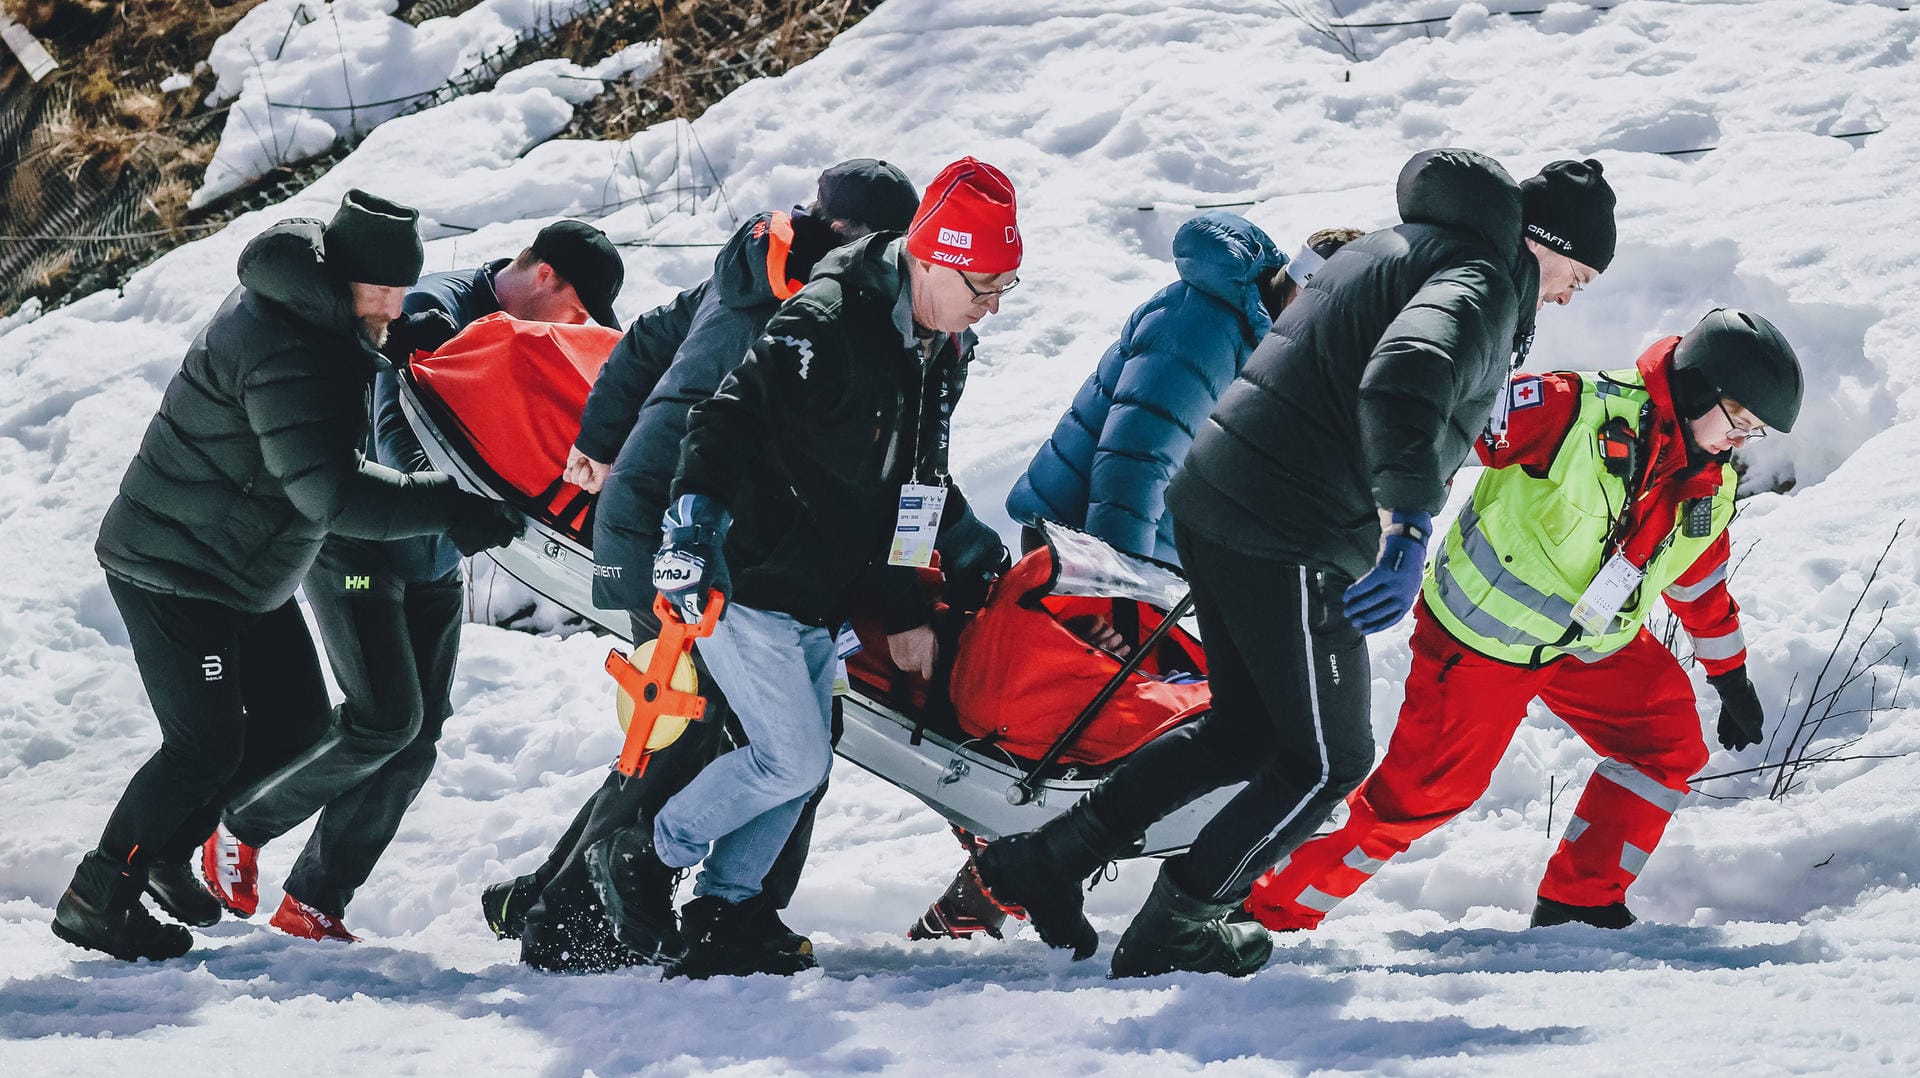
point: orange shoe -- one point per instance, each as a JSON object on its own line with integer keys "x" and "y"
{"x": 232, "y": 871}
{"x": 296, "y": 918}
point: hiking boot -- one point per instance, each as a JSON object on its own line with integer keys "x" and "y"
{"x": 964, "y": 910}
{"x": 101, "y": 911}
{"x": 178, "y": 891}
{"x": 232, "y": 871}
{"x": 1175, "y": 931}
{"x": 636, "y": 887}
{"x": 761, "y": 919}
{"x": 723, "y": 941}
{"x": 1037, "y": 875}
{"x": 505, "y": 905}
{"x": 578, "y": 941}
{"x": 1547, "y": 913}
{"x": 296, "y": 918}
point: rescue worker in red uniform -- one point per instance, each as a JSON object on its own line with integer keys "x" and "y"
{"x": 1603, "y": 490}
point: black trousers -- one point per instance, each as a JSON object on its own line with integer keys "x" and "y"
{"x": 237, "y": 695}
{"x": 620, "y": 802}
{"x": 392, "y": 645}
{"x": 1291, "y": 694}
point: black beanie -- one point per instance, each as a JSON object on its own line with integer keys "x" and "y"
{"x": 869, "y": 191}
{"x": 1569, "y": 208}
{"x": 373, "y": 241}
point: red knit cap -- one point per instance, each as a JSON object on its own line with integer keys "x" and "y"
{"x": 966, "y": 220}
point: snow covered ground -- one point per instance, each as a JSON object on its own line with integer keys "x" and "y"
{"x": 1780, "y": 936}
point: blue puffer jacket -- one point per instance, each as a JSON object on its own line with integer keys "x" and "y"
{"x": 1107, "y": 465}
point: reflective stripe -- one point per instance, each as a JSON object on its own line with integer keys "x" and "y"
{"x": 1720, "y": 647}
{"x": 1638, "y": 783}
{"x": 1632, "y": 858}
{"x": 1686, "y": 593}
{"x": 1315, "y": 899}
{"x": 1575, "y": 829}
{"x": 1478, "y": 621}
{"x": 1486, "y": 559}
{"x": 1358, "y": 860}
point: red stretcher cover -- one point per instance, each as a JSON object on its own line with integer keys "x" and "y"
{"x": 515, "y": 391}
{"x": 1020, "y": 677}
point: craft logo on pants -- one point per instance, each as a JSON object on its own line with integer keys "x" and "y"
{"x": 359, "y": 583}
{"x": 213, "y": 667}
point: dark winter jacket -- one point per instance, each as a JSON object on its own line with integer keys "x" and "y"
{"x": 808, "y": 441}
{"x": 1375, "y": 381}
{"x": 255, "y": 453}
{"x": 1107, "y": 465}
{"x": 672, "y": 358}
{"x": 465, "y": 295}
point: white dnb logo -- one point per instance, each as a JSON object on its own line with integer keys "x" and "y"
{"x": 952, "y": 259}
{"x": 953, "y": 237}
{"x": 213, "y": 668}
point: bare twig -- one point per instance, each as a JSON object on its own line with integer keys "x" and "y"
{"x": 1322, "y": 25}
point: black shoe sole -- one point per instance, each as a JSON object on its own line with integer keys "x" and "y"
{"x": 174, "y": 912}
{"x": 78, "y": 940}
{"x": 1079, "y": 938}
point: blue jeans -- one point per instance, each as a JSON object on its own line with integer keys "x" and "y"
{"x": 778, "y": 676}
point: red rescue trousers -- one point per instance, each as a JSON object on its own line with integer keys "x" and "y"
{"x": 1635, "y": 707}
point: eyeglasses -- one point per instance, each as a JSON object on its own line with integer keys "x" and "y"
{"x": 1739, "y": 433}
{"x": 985, "y": 295}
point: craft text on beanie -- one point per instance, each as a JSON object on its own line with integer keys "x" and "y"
{"x": 967, "y": 220}
{"x": 373, "y": 241}
{"x": 1568, "y": 208}
{"x": 872, "y": 192}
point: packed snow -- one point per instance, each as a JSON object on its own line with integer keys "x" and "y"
{"x": 1779, "y": 935}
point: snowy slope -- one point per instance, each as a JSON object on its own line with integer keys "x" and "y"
{"x": 1780, "y": 935}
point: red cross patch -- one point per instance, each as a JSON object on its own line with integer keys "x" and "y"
{"x": 1525, "y": 393}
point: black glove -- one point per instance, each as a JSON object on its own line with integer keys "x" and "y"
{"x": 1741, "y": 718}
{"x": 421, "y": 331}
{"x": 692, "y": 560}
{"x": 480, "y": 523}
{"x": 972, "y": 557}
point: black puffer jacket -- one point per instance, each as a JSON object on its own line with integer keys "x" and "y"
{"x": 254, "y": 455}
{"x": 809, "y": 439}
{"x": 1374, "y": 383}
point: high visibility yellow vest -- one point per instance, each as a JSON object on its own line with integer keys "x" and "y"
{"x": 1524, "y": 549}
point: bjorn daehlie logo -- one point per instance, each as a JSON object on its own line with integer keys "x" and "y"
{"x": 953, "y": 237}
{"x": 213, "y": 668}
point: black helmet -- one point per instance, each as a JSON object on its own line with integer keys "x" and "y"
{"x": 1743, "y": 357}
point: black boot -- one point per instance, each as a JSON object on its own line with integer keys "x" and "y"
{"x": 962, "y": 911}
{"x": 1547, "y": 913}
{"x": 723, "y": 941}
{"x": 1175, "y": 931}
{"x": 761, "y": 919}
{"x": 636, "y": 887}
{"x": 101, "y": 911}
{"x": 505, "y": 905}
{"x": 1039, "y": 873}
{"x": 573, "y": 937}
{"x": 177, "y": 888}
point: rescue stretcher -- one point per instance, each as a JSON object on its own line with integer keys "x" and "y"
{"x": 973, "y": 782}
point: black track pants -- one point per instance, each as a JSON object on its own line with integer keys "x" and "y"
{"x": 1291, "y": 689}
{"x": 392, "y": 645}
{"x": 237, "y": 695}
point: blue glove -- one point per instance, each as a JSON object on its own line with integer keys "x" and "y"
{"x": 692, "y": 562}
{"x": 1382, "y": 597}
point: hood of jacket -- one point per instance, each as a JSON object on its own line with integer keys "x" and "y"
{"x": 286, "y": 265}
{"x": 1225, "y": 256}
{"x": 770, "y": 258}
{"x": 1469, "y": 192}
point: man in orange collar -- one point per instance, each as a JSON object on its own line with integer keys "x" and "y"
{"x": 1603, "y": 490}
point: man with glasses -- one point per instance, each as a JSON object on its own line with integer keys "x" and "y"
{"x": 1603, "y": 490}
{"x": 815, "y": 478}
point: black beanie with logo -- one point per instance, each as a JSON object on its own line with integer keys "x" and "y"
{"x": 1568, "y": 208}
{"x": 374, "y": 241}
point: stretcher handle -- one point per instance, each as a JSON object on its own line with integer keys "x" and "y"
{"x": 652, "y": 689}
{"x": 1022, "y": 791}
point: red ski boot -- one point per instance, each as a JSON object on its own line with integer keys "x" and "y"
{"x": 296, "y": 918}
{"x": 232, "y": 871}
